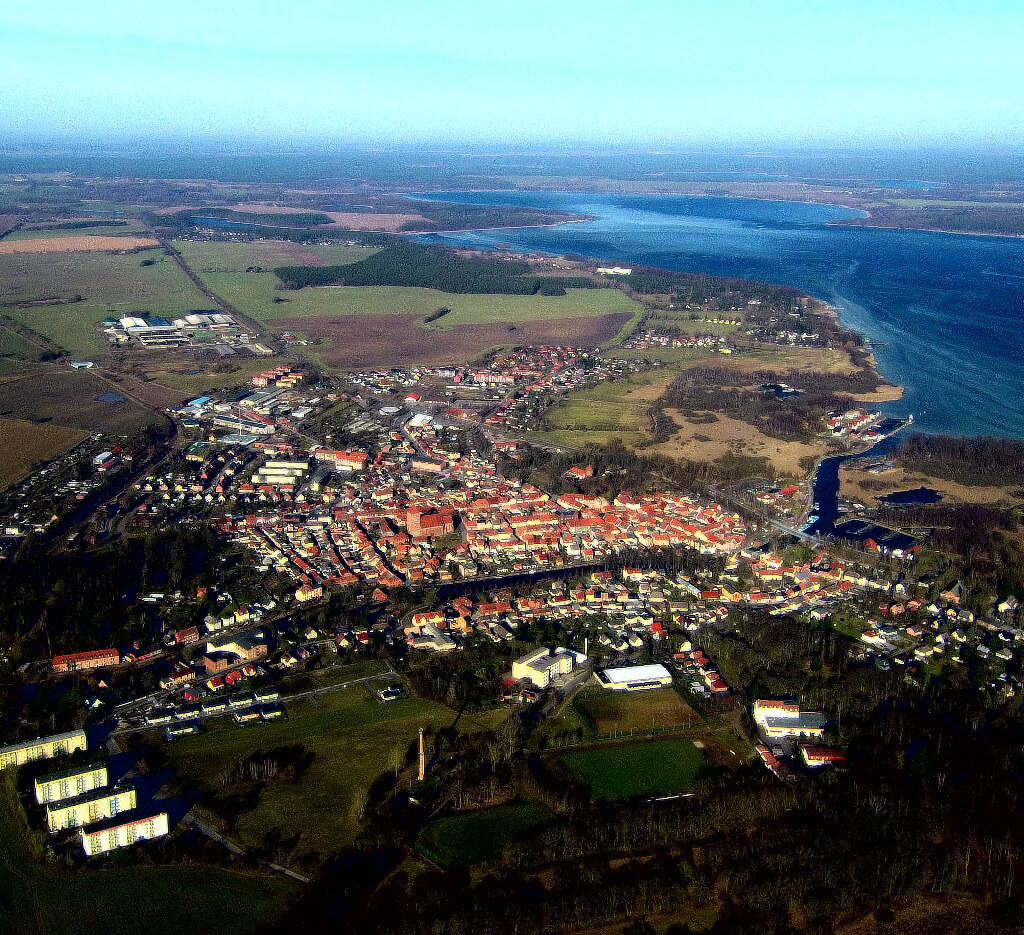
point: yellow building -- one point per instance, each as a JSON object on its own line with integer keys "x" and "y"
{"x": 71, "y": 782}
{"x": 42, "y": 748}
{"x": 122, "y": 831}
{"x": 89, "y": 808}
{"x": 543, "y": 666}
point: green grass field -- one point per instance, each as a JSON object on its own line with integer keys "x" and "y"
{"x": 477, "y": 837}
{"x": 668, "y": 355}
{"x": 625, "y": 711}
{"x": 16, "y": 353}
{"x": 651, "y": 768}
{"x": 223, "y": 265}
{"x": 132, "y": 901}
{"x": 353, "y": 737}
{"x": 109, "y": 285}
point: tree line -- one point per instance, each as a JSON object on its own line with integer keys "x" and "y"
{"x": 432, "y": 267}
{"x": 981, "y": 461}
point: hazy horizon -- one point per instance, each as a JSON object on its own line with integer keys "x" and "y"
{"x": 738, "y": 74}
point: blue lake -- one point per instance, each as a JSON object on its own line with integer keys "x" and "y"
{"x": 946, "y": 310}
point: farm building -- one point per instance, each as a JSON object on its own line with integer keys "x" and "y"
{"x": 542, "y": 665}
{"x": 42, "y": 748}
{"x": 122, "y": 831}
{"x": 71, "y": 782}
{"x": 93, "y": 659}
{"x": 635, "y": 678}
{"x": 89, "y": 808}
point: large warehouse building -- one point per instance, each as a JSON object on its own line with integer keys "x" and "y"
{"x": 635, "y": 678}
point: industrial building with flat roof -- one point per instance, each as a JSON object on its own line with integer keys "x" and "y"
{"x": 635, "y": 678}
{"x": 42, "y": 748}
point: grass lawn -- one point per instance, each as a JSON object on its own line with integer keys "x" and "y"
{"x": 109, "y": 284}
{"x": 24, "y": 444}
{"x": 353, "y": 737}
{"x": 131, "y": 901}
{"x": 668, "y": 355}
{"x": 582, "y": 437}
{"x": 478, "y": 837}
{"x": 626, "y": 711}
{"x": 651, "y": 768}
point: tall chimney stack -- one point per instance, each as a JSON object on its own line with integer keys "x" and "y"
{"x": 423, "y": 757}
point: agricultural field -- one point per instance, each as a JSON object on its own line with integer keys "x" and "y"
{"x": 16, "y": 352}
{"x": 71, "y": 398}
{"x": 367, "y": 326}
{"x": 650, "y": 768}
{"x": 480, "y": 836}
{"x": 619, "y": 712}
{"x": 359, "y": 342}
{"x": 26, "y": 444}
{"x": 72, "y": 244}
{"x": 131, "y": 228}
{"x": 352, "y": 738}
{"x": 65, "y": 295}
{"x": 127, "y": 901}
{"x": 222, "y": 266}
{"x": 472, "y": 309}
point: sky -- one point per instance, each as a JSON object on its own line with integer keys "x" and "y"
{"x": 659, "y": 72}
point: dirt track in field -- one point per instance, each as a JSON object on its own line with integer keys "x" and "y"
{"x": 355, "y": 342}
{"x": 75, "y": 244}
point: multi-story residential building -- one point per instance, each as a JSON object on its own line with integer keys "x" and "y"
{"x": 71, "y": 782}
{"x": 122, "y": 831}
{"x": 42, "y": 748}
{"x": 90, "y": 807}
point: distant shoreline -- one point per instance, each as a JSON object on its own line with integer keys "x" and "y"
{"x": 839, "y": 222}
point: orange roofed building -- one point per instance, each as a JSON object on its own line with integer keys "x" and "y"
{"x": 424, "y": 523}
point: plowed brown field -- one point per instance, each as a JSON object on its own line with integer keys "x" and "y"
{"x": 74, "y": 244}
{"x": 364, "y": 341}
